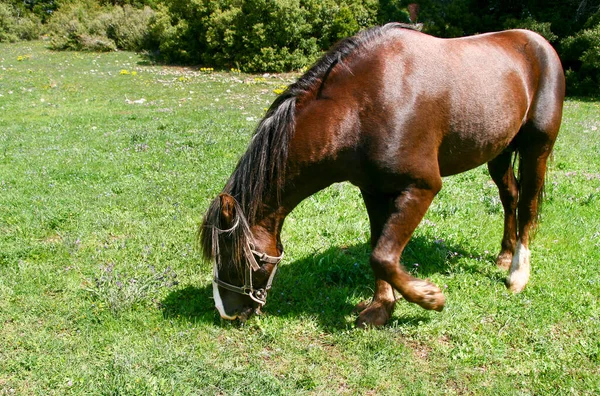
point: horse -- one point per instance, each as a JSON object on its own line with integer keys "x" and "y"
{"x": 393, "y": 111}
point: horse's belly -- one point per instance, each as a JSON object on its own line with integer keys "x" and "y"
{"x": 466, "y": 149}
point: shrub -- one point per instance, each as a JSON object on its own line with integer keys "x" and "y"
{"x": 14, "y": 27}
{"x": 580, "y": 54}
{"x": 542, "y": 28}
{"x": 127, "y": 26}
{"x": 7, "y": 23}
{"x": 36, "y": 10}
{"x": 255, "y": 35}
{"x": 88, "y": 26}
{"x": 261, "y": 35}
{"x": 70, "y": 27}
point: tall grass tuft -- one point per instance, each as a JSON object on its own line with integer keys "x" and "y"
{"x": 120, "y": 291}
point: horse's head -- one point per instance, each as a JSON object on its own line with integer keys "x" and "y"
{"x": 242, "y": 270}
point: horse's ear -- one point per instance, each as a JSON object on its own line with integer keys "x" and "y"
{"x": 227, "y": 209}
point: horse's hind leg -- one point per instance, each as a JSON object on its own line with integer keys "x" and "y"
{"x": 379, "y": 310}
{"x": 533, "y": 158}
{"x": 503, "y": 175}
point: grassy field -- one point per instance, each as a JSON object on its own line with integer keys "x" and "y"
{"x": 106, "y": 168}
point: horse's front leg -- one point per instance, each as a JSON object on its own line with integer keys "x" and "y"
{"x": 378, "y": 310}
{"x": 407, "y": 210}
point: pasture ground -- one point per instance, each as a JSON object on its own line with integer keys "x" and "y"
{"x": 106, "y": 168}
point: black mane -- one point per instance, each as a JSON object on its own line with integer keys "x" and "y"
{"x": 261, "y": 170}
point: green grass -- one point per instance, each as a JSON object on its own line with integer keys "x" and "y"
{"x": 100, "y": 198}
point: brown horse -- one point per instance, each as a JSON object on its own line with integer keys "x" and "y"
{"x": 391, "y": 110}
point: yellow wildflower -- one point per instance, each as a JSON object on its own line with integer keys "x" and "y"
{"x": 280, "y": 89}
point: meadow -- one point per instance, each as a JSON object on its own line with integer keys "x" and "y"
{"x": 107, "y": 164}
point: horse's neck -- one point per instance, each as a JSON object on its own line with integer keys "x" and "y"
{"x": 301, "y": 182}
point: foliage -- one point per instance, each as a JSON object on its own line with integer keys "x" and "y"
{"x": 392, "y": 11}
{"x": 256, "y": 35}
{"x": 132, "y": 3}
{"x": 448, "y": 18}
{"x": 73, "y": 27}
{"x": 38, "y": 10}
{"x": 14, "y": 27}
{"x": 86, "y": 25}
{"x": 127, "y": 26}
{"x": 581, "y": 56}
{"x": 542, "y": 28}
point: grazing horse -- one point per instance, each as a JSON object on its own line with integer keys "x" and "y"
{"x": 392, "y": 110}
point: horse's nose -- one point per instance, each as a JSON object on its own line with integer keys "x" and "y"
{"x": 232, "y": 305}
{"x": 245, "y": 314}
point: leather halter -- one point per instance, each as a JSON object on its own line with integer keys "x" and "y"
{"x": 257, "y": 295}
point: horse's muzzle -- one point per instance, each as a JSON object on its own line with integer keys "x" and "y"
{"x": 239, "y": 306}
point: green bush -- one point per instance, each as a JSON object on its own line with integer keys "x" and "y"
{"x": 261, "y": 35}
{"x": 127, "y": 26}
{"x": 88, "y": 26}
{"x": 580, "y": 54}
{"x": 542, "y": 28}
{"x": 35, "y": 10}
{"x": 255, "y": 35}
{"x": 448, "y": 18}
{"x": 168, "y": 37}
{"x": 14, "y": 27}
{"x": 70, "y": 27}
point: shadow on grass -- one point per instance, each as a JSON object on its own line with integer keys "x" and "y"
{"x": 326, "y": 285}
{"x": 192, "y": 303}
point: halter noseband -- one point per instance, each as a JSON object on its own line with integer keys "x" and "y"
{"x": 257, "y": 295}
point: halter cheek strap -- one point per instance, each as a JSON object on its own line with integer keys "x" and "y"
{"x": 257, "y": 295}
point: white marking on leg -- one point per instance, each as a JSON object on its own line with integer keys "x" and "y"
{"x": 519, "y": 269}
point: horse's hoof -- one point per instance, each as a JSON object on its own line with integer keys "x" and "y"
{"x": 517, "y": 281}
{"x": 429, "y": 296}
{"x": 361, "y": 306}
{"x": 503, "y": 261}
{"x": 376, "y": 314}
